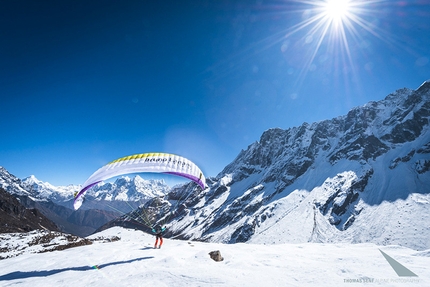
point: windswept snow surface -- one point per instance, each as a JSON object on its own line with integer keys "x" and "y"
{"x": 132, "y": 261}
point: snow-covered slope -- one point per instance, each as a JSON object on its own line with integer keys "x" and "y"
{"x": 131, "y": 261}
{"x": 362, "y": 177}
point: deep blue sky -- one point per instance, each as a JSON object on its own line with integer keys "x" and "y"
{"x": 86, "y": 82}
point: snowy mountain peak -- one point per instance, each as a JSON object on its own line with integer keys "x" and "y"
{"x": 128, "y": 189}
{"x": 11, "y": 184}
{"x": 123, "y": 189}
{"x": 45, "y": 191}
{"x": 34, "y": 183}
{"x": 334, "y": 180}
{"x": 32, "y": 178}
{"x": 425, "y": 85}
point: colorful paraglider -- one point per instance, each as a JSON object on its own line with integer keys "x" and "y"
{"x": 145, "y": 162}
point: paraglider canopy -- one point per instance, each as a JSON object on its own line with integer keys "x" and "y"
{"x": 144, "y": 162}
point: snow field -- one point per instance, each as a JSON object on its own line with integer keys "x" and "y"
{"x": 132, "y": 261}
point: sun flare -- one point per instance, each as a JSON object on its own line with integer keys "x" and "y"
{"x": 337, "y": 10}
{"x": 332, "y": 29}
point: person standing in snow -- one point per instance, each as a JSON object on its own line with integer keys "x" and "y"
{"x": 158, "y": 231}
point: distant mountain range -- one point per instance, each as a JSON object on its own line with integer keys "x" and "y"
{"x": 103, "y": 203}
{"x": 361, "y": 177}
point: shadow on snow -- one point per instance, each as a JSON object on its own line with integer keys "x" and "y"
{"x": 44, "y": 273}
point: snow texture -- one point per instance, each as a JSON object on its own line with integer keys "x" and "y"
{"x": 131, "y": 261}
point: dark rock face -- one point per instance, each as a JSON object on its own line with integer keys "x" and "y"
{"x": 14, "y": 217}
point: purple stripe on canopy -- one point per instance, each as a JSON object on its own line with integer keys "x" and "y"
{"x": 85, "y": 189}
{"x": 193, "y": 178}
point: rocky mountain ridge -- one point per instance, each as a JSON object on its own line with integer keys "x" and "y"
{"x": 366, "y": 170}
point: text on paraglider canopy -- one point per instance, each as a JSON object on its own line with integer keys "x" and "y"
{"x": 169, "y": 160}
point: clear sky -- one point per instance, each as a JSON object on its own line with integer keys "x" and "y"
{"x": 85, "y": 82}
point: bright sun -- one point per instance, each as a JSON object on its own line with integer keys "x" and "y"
{"x": 336, "y": 10}
{"x": 328, "y": 27}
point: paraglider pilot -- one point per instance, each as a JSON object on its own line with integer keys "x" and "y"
{"x": 158, "y": 231}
